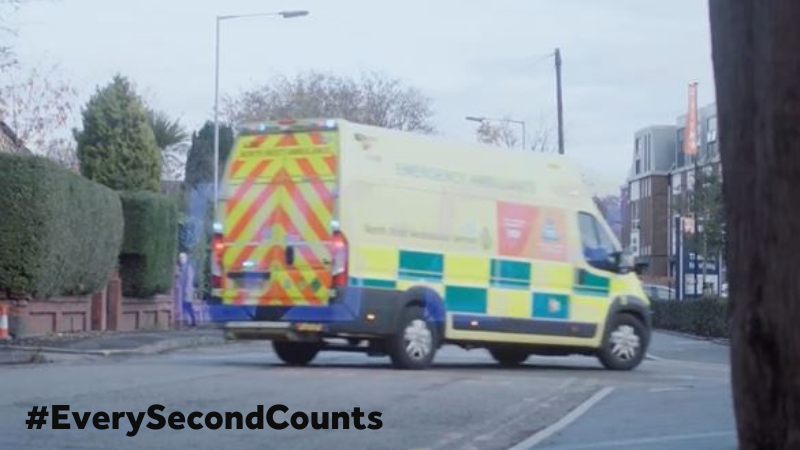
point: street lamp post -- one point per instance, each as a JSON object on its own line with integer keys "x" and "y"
{"x": 282, "y": 14}
{"x": 490, "y": 119}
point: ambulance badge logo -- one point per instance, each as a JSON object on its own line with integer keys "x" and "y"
{"x": 550, "y": 233}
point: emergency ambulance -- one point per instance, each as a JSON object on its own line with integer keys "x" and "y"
{"x": 336, "y": 236}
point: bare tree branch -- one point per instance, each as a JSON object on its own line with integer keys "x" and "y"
{"x": 38, "y": 106}
{"x": 505, "y": 133}
{"x": 371, "y": 98}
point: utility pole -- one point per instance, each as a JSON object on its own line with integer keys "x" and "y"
{"x": 559, "y": 103}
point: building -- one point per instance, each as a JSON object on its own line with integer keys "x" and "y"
{"x": 646, "y": 216}
{"x": 692, "y": 275}
{"x": 657, "y": 221}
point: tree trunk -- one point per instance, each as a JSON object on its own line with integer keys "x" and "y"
{"x": 756, "y": 53}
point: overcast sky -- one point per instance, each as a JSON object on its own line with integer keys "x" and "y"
{"x": 627, "y": 63}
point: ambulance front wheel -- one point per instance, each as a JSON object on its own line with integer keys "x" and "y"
{"x": 625, "y": 343}
{"x": 296, "y": 353}
{"x": 414, "y": 344}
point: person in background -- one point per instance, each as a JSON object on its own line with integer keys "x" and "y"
{"x": 186, "y": 288}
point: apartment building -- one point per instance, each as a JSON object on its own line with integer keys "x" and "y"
{"x": 646, "y": 213}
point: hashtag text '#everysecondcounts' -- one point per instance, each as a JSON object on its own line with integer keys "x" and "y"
{"x": 277, "y": 417}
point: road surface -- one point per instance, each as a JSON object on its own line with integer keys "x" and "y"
{"x": 681, "y": 400}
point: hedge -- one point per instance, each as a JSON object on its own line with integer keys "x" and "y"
{"x": 148, "y": 256}
{"x": 60, "y": 233}
{"x": 707, "y": 316}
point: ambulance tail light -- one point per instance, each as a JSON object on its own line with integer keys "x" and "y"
{"x": 217, "y": 249}
{"x": 340, "y": 260}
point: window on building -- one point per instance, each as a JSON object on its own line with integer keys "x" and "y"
{"x": 676, "y": 184}
{"x": 711, "y": 129}
{"x": 637, "y": 156}
{"x": 712, "y": 149}
{"x": 598, "y": 247}
{"x": 711, "y": 137}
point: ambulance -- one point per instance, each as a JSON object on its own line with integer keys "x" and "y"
{"x": 332, "y": 235}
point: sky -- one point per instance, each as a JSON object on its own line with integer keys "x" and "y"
{"x": 626, "y": 63}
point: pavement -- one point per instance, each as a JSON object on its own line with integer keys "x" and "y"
{"x": 53, "y": 348}
{"x": 679, "y": 398}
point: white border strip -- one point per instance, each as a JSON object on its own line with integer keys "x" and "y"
{"x": 565, "y": 421}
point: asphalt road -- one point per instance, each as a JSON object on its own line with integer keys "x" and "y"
{"x": 465, "y": 402}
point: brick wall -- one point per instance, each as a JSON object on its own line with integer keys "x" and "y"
{"x": 150, "y": 314}
{"x": 106, "y": 310}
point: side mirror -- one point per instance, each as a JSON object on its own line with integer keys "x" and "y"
{"x": 625, "y": 262}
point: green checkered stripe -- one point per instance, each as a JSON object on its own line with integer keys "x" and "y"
{"x": 504, "y": 274}
{"x": 589, "y": 284}
{"x": 510, "y": 274}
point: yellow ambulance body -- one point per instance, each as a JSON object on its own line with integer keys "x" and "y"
{"x": 338, "y": 236}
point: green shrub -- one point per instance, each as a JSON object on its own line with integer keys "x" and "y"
{"x": 706, "y": 316}
{"x": 60, "y": 233}
{"x": 147, "y": 259}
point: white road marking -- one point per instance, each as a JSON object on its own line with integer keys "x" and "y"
{"x": 654, "y": 440}
{"x": 670, "y": 389}
{"x": 653, "y": 357}
{"x": 565, "y": 421}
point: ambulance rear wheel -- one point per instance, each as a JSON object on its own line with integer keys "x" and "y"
{"x": 509, "y": 357}
{"x": 414, "y": 344}
{"x": 296, "y": 353}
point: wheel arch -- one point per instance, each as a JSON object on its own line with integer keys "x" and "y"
{"x": 635, "y": 306}
{"x": 428, "y": 299}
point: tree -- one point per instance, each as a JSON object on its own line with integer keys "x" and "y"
{"x": 504, "y": 133}
{"x": 167, "y": 132}
{"x": 542, "y": 138}
{"x": 117, "y": 146}
{"x": 200, "y": 161}
{"x": 703, "y": 202}
{"x": 706, "y": 198}
{"x": 6, "y": 54}
{"x": 38, "y": 105}
{"x": 371, "y": 99}
{"x": 756, "y": 55}
{"x": 501, "y": 134}
{"x": 171, "y": 139}
{"x": 198, "y": 178}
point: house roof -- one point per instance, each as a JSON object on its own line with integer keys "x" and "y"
{"x": 9, "y": 142}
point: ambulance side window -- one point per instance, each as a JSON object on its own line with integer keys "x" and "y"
{"x": 598, "y": 248}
